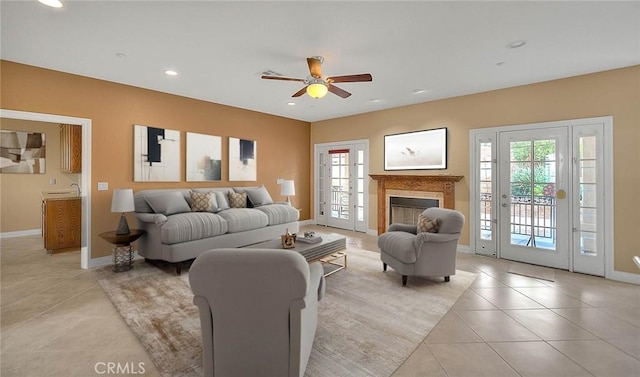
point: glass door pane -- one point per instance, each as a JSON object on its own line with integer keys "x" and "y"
{"x": 532, "y": 177}
{"x": 486, "y": 191}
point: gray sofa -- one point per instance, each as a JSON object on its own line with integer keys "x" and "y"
{"x": 177, "y": 231}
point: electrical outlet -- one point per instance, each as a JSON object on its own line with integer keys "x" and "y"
{"x": 103, "y": 186}
{"x": 52, "y": 181}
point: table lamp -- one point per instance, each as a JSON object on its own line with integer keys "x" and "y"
{"x": 122, "y": 201}
{"x": 288, "y": 189}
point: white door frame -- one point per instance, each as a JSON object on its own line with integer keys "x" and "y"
{"x": 337, "y": 145}
{"x": 85, "y": 179}
{"x": 608, "y": 230}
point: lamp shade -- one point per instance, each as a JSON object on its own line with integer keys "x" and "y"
{"x": 122, "y": 200}
{"x": 317, "y": 90}
{"x": 288, "y": 188}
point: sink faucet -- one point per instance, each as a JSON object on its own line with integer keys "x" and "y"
{"x": 78, "y": 187}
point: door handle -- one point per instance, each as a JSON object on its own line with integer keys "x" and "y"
{"x": 505, "y": 205}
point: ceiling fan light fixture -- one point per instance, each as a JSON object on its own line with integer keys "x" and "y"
{"x": 317, "y": 89}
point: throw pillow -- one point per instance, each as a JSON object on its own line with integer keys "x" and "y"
{"x": 238, "y": 200}
{"x": 168, "y": 203}
{"x": 222, "y": 200}
{"x": 426, "y": 225}
{"x": 259, "y": 196}
{"x": 201, "y": 201}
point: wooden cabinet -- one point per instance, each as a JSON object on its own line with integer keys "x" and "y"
{"x": 70, "y": 149}
{"x": 61, "y": 223}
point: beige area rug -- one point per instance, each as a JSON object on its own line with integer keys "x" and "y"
{"x": 368, "y": 323}
{"x": 532, "y": 271}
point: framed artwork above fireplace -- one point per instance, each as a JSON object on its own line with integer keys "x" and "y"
{"x": 419, "y": 150}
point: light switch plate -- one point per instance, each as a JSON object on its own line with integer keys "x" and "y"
{"x": 103, "y": 186}
{"x": 52, "y": 181}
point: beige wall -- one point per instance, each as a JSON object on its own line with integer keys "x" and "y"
{"x": 115, "y": 108}
{"x": 20, "y": 201}
{"x": 615, "y": 93}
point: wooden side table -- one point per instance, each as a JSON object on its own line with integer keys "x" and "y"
{"x": 122, "y": 249}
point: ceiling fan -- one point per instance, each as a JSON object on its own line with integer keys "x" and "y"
{"x": 316, "y": 86}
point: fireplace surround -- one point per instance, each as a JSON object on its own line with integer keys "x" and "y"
{"x": 440, "y": 187}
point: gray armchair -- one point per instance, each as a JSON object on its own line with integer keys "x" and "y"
{"x": 423, "y": 254}
{"x": 258, "y": 311}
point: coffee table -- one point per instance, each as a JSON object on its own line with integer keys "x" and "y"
{"x": 328, "y": 251}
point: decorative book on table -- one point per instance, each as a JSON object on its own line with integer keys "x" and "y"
{"x": 312, "y": 239}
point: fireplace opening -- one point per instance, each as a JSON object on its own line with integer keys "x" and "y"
{"x": 406, "y": 210}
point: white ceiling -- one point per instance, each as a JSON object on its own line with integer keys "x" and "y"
{"x": 220, "y": 49}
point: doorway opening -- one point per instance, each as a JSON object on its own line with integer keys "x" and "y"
{"x": 85, "y": 178}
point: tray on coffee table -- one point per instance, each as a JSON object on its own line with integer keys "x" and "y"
{"x": 327, "y": 251}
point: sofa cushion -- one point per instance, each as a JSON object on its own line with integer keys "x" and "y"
{"x": 202, "y": 201}
{"x": 222, "y": 200}
{"x": 279, "y": 213}
{"x": 168, "y": 203}
{"x": 192, "y": 226}
{"x": 258, "y": 196}
{"x": 241, "y": 219}
{"x": 238, "y": 199}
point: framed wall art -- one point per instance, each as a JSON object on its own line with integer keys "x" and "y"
{"x": 419, "y": 150}
{"x": 204, "y": 157}
{"x": 22, "y": 152}
{"x": 242, "y": 160}
{"x": 156, "y": 154}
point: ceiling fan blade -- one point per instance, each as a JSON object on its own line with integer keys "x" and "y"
{"x": 339, "y": 92}
{"x": 281, "y": 78}
{"x": 300, "y": 92}
{"x": 315, "y": 67}
{"x": 351, "y": 78}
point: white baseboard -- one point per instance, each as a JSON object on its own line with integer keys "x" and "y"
{"x": 464, "y": 249}
{"x": 21, "y": 233}
{"x": 108, "y": 260}
{"x": 372, "y": 232}
{"x": 625, "y": 277}
{"x": 307, "y": 222}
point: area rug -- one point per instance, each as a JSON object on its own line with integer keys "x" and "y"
{"x": 368, "y": 323}
{"x": 532, "y": 271}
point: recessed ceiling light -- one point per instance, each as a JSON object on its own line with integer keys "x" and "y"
{"x": 171, "y": 73}
{"x": 374, "y": 100}
{"x": 500, "y": 64}
{"x": 121, "y": 55}
{"x": 516, "y": 44}
{"x": 291, "y": 103}
{"x": 51, "y": 3}
{"x": 419, "y": 91}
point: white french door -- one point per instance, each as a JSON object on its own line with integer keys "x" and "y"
{"x": 538, "y": 193}
{"x": 340, "y": 191}
{"x": 534, "y": 226}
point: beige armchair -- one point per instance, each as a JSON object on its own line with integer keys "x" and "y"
{"x": 413, "y": 253}
{"x": 258, "y": 311}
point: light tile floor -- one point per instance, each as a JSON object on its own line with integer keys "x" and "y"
{"x": 56, "y": 321}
